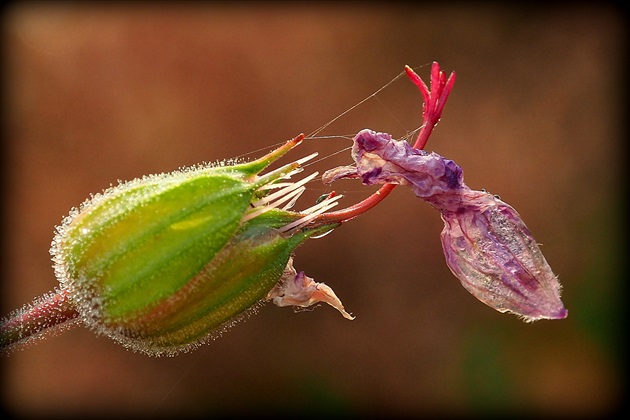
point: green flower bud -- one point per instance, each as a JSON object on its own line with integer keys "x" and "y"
{"x": 165, "y": 262}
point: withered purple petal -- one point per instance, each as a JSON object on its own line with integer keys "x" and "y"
{"x": 380, "y": 160}
{"x": 486, "y": 244}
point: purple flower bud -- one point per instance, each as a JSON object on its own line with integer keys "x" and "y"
{"x": 486, "y": 244}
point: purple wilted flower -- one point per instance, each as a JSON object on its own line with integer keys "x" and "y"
{"x": 486, "y": 244}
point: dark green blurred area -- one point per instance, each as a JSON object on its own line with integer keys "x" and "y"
{"x": 93, "y": 94}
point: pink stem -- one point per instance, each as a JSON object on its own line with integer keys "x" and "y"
{"x": 46, "y": 312}
{"x": 355, "y": 210}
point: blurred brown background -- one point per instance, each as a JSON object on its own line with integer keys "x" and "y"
{"x": 93, "y": 94}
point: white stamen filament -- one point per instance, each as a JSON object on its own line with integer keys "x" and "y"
{"x": 270, "y": 176}
{"x": 274, "y": 186}
{"x": 306, "y": 158}
{"x": 291, "y": 186}
{"x": 291, "y": 203}
{"x": 290, "y": 192}
{"x": 295, "y": 194}
{"x": 312, "y": 213}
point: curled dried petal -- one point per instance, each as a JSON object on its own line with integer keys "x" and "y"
{"x": 297, "y": 289}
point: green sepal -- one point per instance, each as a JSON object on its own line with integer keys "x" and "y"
{"x": 238, "y": 278}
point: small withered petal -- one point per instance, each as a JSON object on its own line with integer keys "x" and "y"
{"x": 299, "y": 290}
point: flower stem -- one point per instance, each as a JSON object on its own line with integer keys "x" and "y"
{"x": 353, "y": 211}
{"x": 48, "y": 311}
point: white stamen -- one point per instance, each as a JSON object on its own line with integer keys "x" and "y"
{"x": 271, "y": 175}
{"x": 306, "y": 158}
{"x": 295, "y": 194}
{"x": 291, "y": 191}
{"x": 290, "y": 174}
{"x": 291, "y": 203}
{"x": 312, "y": 213}
{"x": 274, "y": 186}
{"x": 292, "y": 186}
